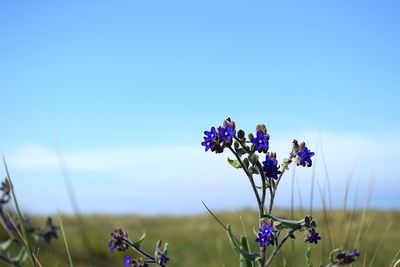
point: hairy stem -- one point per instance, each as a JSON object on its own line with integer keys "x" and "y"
{"x": 250, "y": 176}
{"x": 277, "y": 248}
{"x": 141, "y": 252}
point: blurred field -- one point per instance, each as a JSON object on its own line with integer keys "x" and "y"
{"x": 200, "y": 241}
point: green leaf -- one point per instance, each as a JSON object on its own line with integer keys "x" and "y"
{"x": 255, "y": 232}
{"x": 292, "y": 236}
{"x": 253, "y": 158}
{"x": 267, "y": 184}
{"x": 236, "y": 246}
{"x": 21, "y": 257}
{"x": 235, "y": 163}
{"x": 165, "y": 249}
{"x": 332, "y": 254}
{"x": 240, "y": 152}
{"x": 254, "y": 169}
{"x": 288, "y": 224}
{"x": 244, "y": 245}
{"x": 246, "y": 163}
{"x": 140, "y": 240}
{"x": 4, "y": 245}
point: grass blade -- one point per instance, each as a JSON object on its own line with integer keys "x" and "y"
{"x": 379, "y": 245}
{"x": 21, "y": 221}
{"x": 393, "y": 263}
{"x": 74, "y": 203}
{"x": 327, "y": 179}
{"x": 325, "y": 213}
{"x": 366, "y": 208}
{"x": 65, "y": 240}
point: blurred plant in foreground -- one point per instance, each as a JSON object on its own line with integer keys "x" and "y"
{"x": 24, "y": 238}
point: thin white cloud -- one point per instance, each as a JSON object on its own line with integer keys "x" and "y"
{"x": 186, "y": 174}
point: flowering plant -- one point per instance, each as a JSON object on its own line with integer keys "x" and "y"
{"x": 21, "y": 232}
{"x": 261, "y": 167}
{"x": 248, "y": 153}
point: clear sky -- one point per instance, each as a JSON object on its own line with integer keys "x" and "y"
{"x": 126, "y": 88}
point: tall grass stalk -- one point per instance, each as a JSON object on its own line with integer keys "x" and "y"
{"x": 74, "y": 203}
{"x": 313, "y": 178}
{"x": 326, "y": 218}
{"x": 344, "y": 240}
{"x": 65, "y": 240}
{"x": 327, "y": 179}
{"x": 392, "y": 264}
{"x": 363, "y": 218}
{"x": 379, "y": 245}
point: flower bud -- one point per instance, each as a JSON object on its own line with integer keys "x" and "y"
{"x": 261, "y": 128}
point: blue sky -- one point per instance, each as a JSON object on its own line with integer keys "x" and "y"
{"x": 128, "y": 82}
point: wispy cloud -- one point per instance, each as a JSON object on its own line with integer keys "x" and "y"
{"x": 175, "y": 178}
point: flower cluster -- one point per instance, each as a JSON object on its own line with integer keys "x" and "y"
{"x": 261, "y": 141}
{"x": 344, "y": 257}
{"x": 119, "y": 241}
{"x": 160, "y": 254}
{"x": 266, "y": 235}
{"x": 49, "y": 231}
{"x": 217, "y": 140}
{"x": 310, "y": 235}
{"x": 247, "y": 152}
{"x": 270, "y": 167}
{"x": 130, "y": 262}
{"x": 302, "y": 153}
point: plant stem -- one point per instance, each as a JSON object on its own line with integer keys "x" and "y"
{"x": 277, "y": 248}
{"x": 141, "y": 252}
{"x": 250, "y": 176}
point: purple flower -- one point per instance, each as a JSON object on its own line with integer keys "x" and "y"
{"x": 117, "y": 240}
{"x": 163, "y": 259}
{"x": 346, "y": 257}
{"x": 226, "y": 133}
{"x": 265, "y": 236}
{"x": 211, "y": 135}
{"x": 111, "y": 246}
{"x": 304, "y": 157}
{"x": 127, "y": 260}
{"x": 209, "y": 139}
{"x": 208, "y": 144}
{"x": 271, "y": 167}
{"x": 261, "y": 141}
{"x": 312, "y": 236}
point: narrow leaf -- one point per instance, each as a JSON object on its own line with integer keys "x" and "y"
{"x": 237, "y": 247}
{"x": 65, "y": 241}
{"x": 235, "y": 163}
{"x": 140, "y": 240}
{"x": 244, "y": 245}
